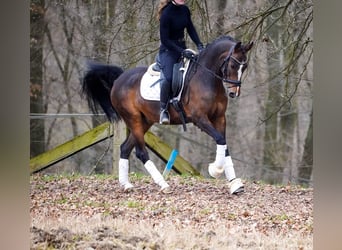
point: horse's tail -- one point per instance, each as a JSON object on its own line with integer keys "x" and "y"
{"x": 97, "y": 83}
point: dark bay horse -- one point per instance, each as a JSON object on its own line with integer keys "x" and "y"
{"x": 213, "y": 76}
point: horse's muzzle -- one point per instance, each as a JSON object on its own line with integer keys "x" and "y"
{"x": 234, "y": 92}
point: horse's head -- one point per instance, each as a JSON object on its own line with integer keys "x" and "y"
{"x": 233, "y": 66}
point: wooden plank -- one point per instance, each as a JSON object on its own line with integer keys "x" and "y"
{"x": 163, "y": 150}
{"x": 98, "y": 134}
{"x": 83, "y": 141}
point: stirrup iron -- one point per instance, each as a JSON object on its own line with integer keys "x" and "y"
{"x": 164, "y": 117}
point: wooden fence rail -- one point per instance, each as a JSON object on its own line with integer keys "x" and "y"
{"x": 101, "y": 133}
{"x": 69, "y": 148}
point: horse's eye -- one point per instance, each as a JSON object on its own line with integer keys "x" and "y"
{"x": 233, "y": 66}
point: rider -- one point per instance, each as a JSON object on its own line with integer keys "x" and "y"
{"x": 174, "y": 17}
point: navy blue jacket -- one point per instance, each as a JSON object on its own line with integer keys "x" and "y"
{"x": 173, "y": 21}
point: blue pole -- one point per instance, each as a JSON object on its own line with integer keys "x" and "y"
{"x": 170, "y": 162}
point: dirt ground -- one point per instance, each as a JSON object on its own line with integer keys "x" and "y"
{"x": 93, "y": 212}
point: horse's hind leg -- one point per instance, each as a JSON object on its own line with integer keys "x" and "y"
{"x": 125, "y": 150}
{"x": 142, "y": 154}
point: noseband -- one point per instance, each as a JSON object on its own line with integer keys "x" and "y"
{"x": 224, "y": 68}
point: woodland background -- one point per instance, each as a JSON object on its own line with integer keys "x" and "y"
{"x": 269, "y": 127}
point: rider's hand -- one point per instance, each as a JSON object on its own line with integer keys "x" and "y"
{"x": 200, "y": 47}
{"x": 188, "y": 54}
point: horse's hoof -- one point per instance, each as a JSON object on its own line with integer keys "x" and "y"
{"x": 128, "y": 187}
{"x": 215, "y": 171}
{"x": 166, "y": 190}
{"x": 236, "y": 186}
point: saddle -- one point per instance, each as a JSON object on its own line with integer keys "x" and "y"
{"x": 150, "y": 87}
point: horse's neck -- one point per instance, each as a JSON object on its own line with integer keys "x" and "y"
{"x": 210, "y": 62}
{"x": 214, "y": 57}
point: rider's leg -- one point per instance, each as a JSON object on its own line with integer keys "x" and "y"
{"x": 167, "y": 60}
{"x": 165, "y": 88}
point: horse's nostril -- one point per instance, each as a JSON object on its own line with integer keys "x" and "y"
{"x": 231, "y": 94}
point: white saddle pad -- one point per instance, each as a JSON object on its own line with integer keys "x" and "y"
{"x": 149, "y": 85}
{"x": 150, "y": 82}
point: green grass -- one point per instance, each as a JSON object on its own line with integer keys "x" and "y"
{"x": 135, "y": 204}
{"x": 205, "y": 211}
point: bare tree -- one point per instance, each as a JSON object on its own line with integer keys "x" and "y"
{"x": 286, "y": 26}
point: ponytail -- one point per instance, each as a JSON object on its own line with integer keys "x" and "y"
{"x": 161, "y": 6}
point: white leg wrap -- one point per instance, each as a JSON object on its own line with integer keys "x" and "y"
{"x": 123, "y": 174}
{"x": 155, "y": 174}
{"x": 229, "y": 168}
{"x": 216, "y": 168}
{"x": 235, "y": 184}
{"x": 220, "y": 155}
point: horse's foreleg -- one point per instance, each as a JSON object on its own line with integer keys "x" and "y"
{"x": 217, "y": 132}
{"x": 216, "y": 168}
{"x": 223, "y": 161}
{"x": 235, "y": 184}
{"x": 229, "y": 168}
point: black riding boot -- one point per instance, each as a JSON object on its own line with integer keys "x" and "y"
{"x": 164, "y": 102}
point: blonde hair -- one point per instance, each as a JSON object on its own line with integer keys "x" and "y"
{"x": 161, "y": 6}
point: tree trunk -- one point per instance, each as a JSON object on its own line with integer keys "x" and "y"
{"x": 288, "y": 121}
{"x": 272, "y": 146}
{"x": 221, "y": 5}
{"x": 101, "y": 15}
{"x": 37, "y": 133}
{"x": 305, "y": 169}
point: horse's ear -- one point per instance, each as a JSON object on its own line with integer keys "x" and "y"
{"x": 237, "y": 46}
{"x": 249, "y": 46}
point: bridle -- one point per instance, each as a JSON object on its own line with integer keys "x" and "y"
{"x": 224, "y": 69}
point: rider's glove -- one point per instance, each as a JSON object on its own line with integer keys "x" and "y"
{"x": 200, "y": 47}
{"x": 188, "y": 54}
